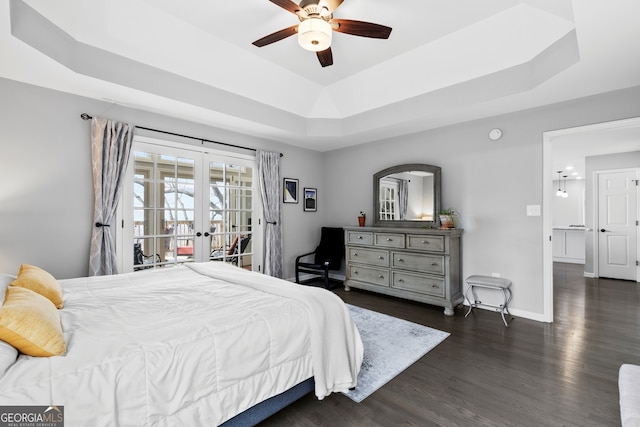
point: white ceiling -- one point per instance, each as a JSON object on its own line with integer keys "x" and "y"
{"x": 570, "y": 149}
{"x": 445, "y": 62}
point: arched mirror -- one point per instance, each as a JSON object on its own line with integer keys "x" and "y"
{"x": 407, "y": 195}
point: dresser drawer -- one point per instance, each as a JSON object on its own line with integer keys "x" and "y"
{"x": 418, "y": 262}
{"x": 368, "y": 256}
{"x": 425, "y": 243}
{"x": 375, "y": 276}
{"x": 359, "y": 238}
{"x": 418, "y": 283}
{"x": 389, "y": 240}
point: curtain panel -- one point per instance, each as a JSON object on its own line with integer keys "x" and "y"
{"x": 269, "y": 179}
{"x": 403, "y": 198}
{"x": 110, "y": 150}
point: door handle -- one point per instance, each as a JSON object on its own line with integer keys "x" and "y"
{"x": 602, "y": 230}
{"x": 206, "y": 234}
{"x": 198, "y": 234}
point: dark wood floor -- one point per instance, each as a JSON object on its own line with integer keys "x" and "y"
{"x": 484, "y": 374}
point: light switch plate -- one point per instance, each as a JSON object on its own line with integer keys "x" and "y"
{"x": 533, "y": 210}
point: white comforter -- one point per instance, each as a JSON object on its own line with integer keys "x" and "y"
{"x": 187, "y": 346}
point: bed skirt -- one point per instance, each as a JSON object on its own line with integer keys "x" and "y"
{"x": 266, "y": 408}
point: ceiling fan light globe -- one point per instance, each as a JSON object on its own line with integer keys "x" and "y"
{"x": 315, "y": 34}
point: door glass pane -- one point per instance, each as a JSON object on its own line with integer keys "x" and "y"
{"x": 163, "y": 210}
{"x": 230, "y": 211}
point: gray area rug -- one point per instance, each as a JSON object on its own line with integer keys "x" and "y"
{"x": 391, "y": 345}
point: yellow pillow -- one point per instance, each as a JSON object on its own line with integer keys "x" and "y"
{"x": 31, "y": 323}
{"x": 40, "y": 281}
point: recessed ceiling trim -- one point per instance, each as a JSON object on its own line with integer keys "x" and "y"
{"x": 35, "y": 30}
{"x": 32, "y": 28}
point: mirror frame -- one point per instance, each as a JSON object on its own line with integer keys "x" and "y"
{"x": 437, "y": 179}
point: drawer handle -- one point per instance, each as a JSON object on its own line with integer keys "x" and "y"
{"x": 434, "y": 264}
{"x": 360, "y": 237}
{"x": 425, "y": 242}
{"x": 355, "y": 272}
{"x": 435, "y": 286}
{"x": 380, "y": 257}
{"x": 400, "y": 260}
{"x": 380, "y": 276}
{"x": 400, "y": 280}
{"x": 389, "y": 239}
{"x": 355, "y": 254}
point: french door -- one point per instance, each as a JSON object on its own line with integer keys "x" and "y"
{"x": 181, "y": 204}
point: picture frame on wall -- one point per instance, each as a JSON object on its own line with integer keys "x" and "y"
{"x": 290, "y": 190}
{"x": 310, "y": 199}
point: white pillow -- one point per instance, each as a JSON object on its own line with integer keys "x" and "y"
{"x": 5, "y": 279}
{"x": 8, "y": 356}
{"x": 8, "y": 353}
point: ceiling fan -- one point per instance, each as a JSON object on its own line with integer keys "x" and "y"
{"x": 317, "y": 24}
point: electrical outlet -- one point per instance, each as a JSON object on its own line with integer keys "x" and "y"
{"x": 495, "y": 274}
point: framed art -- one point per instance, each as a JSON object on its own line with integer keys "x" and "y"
{"x": 310, "y": 199}
{"x": 290, "y": 190}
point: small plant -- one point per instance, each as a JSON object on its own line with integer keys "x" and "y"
{"x": 363, "y": 214}
{"x": 448, "y": 211}
{"x": 447, "y": 218}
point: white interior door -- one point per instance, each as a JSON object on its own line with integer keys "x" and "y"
{"x": 617, "y": 224}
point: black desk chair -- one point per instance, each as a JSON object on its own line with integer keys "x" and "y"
{"x": 328, "y": 255}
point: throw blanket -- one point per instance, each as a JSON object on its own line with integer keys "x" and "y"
{"x": 336, "y": 347}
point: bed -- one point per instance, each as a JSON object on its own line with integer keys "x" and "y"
{"x": 198, "y": 344}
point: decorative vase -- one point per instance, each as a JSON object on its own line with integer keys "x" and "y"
{"x": 361, "y": 220}
{"x": 446, "y": 221}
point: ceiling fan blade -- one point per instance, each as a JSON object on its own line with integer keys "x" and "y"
{"x": 290, "y": 6}
{"x": 330, "y": 5}
{"x": 277, "y": 36}
{"x": 361, "y": 28}
{"x": 325, "y": 57}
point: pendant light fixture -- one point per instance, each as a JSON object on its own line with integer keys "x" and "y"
{"x": 564, "y": 193}
{"x": 559, "y": 192}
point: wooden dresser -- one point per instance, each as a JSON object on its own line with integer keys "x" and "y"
{"x": 414, "y": 263}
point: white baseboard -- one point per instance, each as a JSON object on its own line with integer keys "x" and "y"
{"x": 538, "y": 317}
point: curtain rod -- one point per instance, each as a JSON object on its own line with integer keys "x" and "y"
{"x": 85, "y": 116}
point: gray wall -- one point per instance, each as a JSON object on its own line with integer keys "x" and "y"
{"x": 569, "y": 210}
{"x": 489, "y": 182}
{"x": 46, "y": 192}
{"x": 46, "y": 196}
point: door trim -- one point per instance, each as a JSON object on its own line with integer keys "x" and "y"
{"x": 548, "y": 193}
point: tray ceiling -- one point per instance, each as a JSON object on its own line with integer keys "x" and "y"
{"x": 445, "y": 62}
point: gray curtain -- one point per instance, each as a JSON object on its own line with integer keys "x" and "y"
{"x": 269, "y": 178}
{"x": 403, "y": 198}
{"x": 110, "y": 149}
